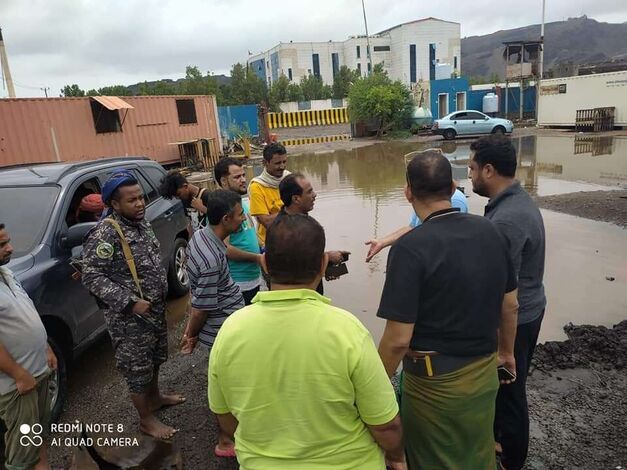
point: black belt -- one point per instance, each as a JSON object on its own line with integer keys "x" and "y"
{"x": 433, "y": 364}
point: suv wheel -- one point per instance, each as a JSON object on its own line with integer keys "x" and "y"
{"x": 57, "y": 381}
{"x": 449, "y": 134}
{"x": 178, "y": 281}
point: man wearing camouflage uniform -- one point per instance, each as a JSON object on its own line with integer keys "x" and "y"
{"x": 122, "y": 269}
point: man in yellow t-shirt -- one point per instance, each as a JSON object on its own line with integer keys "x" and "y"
{"x": 297, "y": 381}
{"x": 265, "y": 200}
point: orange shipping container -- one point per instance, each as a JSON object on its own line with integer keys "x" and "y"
{"x": 69, "y": 129}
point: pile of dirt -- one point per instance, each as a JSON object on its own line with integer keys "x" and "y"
{"x": 577, "y": 394}
{"x": 586, "y": 345}
{"x": 604, "y": 206}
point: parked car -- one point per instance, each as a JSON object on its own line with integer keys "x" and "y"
{"x": 470, "y": 122}
{"x": 38, "y": 205}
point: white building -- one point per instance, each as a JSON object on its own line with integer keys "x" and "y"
{"x": 409, "y": 52}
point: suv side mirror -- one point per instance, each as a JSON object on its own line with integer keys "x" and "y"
{"x": 75, "y": 234}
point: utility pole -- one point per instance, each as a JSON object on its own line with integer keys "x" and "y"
{"x": 541, "y": 64}
{"x": 4, "y": 63}
{"x": 45, "y": 90}
{"x": 368, "y": 51}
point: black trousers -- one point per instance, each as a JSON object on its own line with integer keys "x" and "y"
{"x": 511, "y": 423}
{"x": 249, "y": 295}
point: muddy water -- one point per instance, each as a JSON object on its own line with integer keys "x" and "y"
{"x": 360, "y": 196}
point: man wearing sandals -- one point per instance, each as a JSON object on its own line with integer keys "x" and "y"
{"x": 122, "y": 269}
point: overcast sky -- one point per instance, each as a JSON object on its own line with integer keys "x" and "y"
{"x": 95, "y": 43}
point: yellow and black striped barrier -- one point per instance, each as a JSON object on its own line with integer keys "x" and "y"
{"x": 316, "y": 117}
{"x": 315, "y": 140}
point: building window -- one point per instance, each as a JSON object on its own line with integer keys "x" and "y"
{"x": 316, "y": 65}
{"x": 412, "y": 63}
{"x": 359, "y": 68}
{"x": 432, "y": 62}
{"x": 455, "y": 63}
{"x": 335, "y": 61}
{"x": 105, "y": 120}
{"x": 369, "y": 68}
{"x": 381, "y": 48}
{"x": 358, "y": 52}
{"x": 186, "y": 110}
{"x": 289, "y": 74}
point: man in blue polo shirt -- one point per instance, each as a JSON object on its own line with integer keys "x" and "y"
{"x": 242, "y": 245}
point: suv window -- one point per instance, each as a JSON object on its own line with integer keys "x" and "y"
{"x": 74, "y": 215}
{"x": 26, "y": 221}
{"x": 155, "y": 174}
{"x": 150, "y": 193}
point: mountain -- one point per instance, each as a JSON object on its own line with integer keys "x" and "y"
{"x": 578, "y": 40}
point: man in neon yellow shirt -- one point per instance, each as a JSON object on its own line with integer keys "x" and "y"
{"x": 298, "y": 382}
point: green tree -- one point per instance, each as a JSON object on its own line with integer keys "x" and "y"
{"x": 278, "y": 93}
{"x": 72, "y": 90}
{"x": 195, "y": 83}
{"x": 295, "y": 93}
{"x": 115, "y": 90}
{"x": 343, "y": 80}
{"x": 245, "y": 88}
{"x": 476, "y": 80}
{"x": 162, "y": 87}
{"x": 377, "y": 98}
{"x": 314, "y": 88}
{"x": 494, "y": 78}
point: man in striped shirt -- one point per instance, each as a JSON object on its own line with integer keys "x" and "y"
{"x": 214, "y": 294}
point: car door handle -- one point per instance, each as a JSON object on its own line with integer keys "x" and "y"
{"x": 168, "y": 213}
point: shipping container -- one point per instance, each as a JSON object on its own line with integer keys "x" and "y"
{"x": 36, "y": 130}
{"x": 560, "y": 98}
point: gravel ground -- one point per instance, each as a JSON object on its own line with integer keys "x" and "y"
{"x": 606, "y": 206}
{"x": 578, "y": 400}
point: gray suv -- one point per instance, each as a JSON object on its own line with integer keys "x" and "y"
{"x": 39, "y": 206}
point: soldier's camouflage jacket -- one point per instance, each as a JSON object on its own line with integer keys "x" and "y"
{"x": 106, "y": 273}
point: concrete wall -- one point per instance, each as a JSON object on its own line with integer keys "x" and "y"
{"x": 557, "y": 108}
{"x": 292, "y": 106}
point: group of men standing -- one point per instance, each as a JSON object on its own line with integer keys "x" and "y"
{"x": 296, "y": 382}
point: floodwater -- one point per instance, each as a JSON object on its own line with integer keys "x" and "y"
{"x": 360, "y": 196}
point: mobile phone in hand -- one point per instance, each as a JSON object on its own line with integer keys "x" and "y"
{"x": 335, "y": 270}
{"x": 505, "y": 374}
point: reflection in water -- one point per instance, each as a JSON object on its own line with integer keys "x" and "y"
{"x": 360, "y": 196}
{"x": 594, "y": 144}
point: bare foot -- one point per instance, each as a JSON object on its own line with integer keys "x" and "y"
{"x": 168, "y": 400}
{"x": 155, "y": 428}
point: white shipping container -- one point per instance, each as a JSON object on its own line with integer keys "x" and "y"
{"x": 560, "y": 98}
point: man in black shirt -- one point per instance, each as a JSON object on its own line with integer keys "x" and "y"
{"x": 450, "y": 304}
